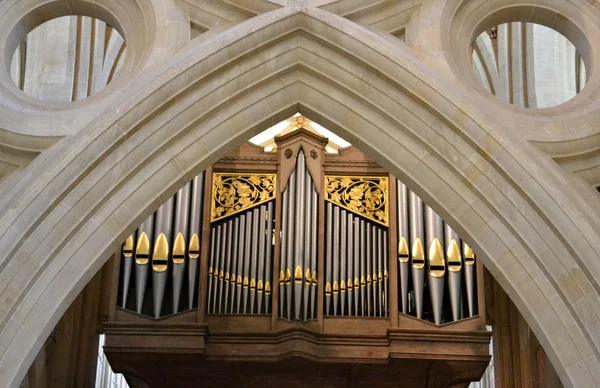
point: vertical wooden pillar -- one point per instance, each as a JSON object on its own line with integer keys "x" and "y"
{"x": 519, "y": 360}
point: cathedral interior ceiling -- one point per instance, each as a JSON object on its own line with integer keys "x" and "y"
{"x": 180, "y": 104}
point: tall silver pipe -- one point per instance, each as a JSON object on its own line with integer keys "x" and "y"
{"x": 375, "y": 269}
{"x": 142, "y": 260}
{"x": 363, "y": 267}
{"x": 368, "y": 258}
{"x": 380, "y": 292}
{"x": 299, "y": 232}
{"x": 403, "y": 239}
{"x": 470, "y": 278}
{"x": 313, "y": 252}
{"x": 240, "y": 262}
{"x": 454, "y": 260}
{"x": 269, "y": 256}
{"x": 227, "y": 267}
{"x": 215, "y": 237}
{"x": 283, "y": 269}
{"x": 336, "y": 258}
{"x": 343, "y": 257}
{"x": 417, "y": 251}
{"x": 436, "y": 263}
{"x": 194, "y": 247}
{"x": 182, "y": 202}
{"x": 357, "y": 256}
{"x": 262, "y": 231}
{"x": 350, "y": 260}
{"x": 386, "y": 280}
{"x": 127, "y": 259}
{"x": 218, "y": 272}
{"x": 328, "y": 256}
{"x": 247, "y": 254}
{"x": 234, "y": 266}
{"x": 160, "y": 256}
{"x": 307, "y": 242}
{"x": 291, "y": 225}
{"x": 254, "y": 258}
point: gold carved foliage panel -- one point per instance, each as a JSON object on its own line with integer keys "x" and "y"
{"x": 363, "y": 195}
{"x": 235, "y": 192}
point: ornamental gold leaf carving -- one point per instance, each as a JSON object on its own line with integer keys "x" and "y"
{"x": 235, "y": 192}
{"x": 363, "y": 195}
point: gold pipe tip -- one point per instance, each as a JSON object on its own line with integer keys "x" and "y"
{"x": 267, "y": 288}
{"x": 179, "y": 249}
{"x": 127, "y": 249}
{"x": 328, "y": 289}
{"x": 252, "y": 284}
{"x": 259, "y": 286}
{"x": 160, "y": 256}
{"x": 454, "y": 259}
{"x": 418, "y": 255}
{"x": 194, "y": 249}
{"x": 142, "y": 253}
{"x": 307, "y": 279}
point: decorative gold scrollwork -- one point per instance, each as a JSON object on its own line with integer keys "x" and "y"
{"x": 363, "y": 195}
{"x": 234, "y": 193}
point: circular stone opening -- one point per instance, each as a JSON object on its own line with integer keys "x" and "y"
{"x": 528, "y": 65}
{"x": 68, "y": 59}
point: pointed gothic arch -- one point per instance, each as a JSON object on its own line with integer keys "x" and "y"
{"x": 82, "y": 198}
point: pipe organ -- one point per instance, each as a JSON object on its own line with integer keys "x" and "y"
{"x": 167, "y": 246}
{"x": 431, "y": 262}
{"x": 297, "y": 244}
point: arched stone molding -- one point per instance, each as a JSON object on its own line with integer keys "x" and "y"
{"x": 569, "y": 133}
{"x": 75, "y": 203}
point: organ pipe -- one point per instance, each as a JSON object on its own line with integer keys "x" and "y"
{"x": 290, "y": 243}
{"x": 454, "y": 260}
{"x": 299, "y": 240}
{"x": 350, "y": 251}
{"x": 283, "y": 269}
{"x": 328, "y": 255}
{"x": 240, "y": 263}
{"x": 403, "y": 238}
{"x": 417, "y": 251}
{"x": 269, "y": 255}
{"x": 194, "y": 247}
{"x": 142, "y": 259}
{"x": 160, "y": 256}
{"x": 127, "y": 257}
{"x": 182, "y": 201}
{"x": 261, "y": 255}
{"x": 436, "y": 262}
{"x": 470, "y": 278}
{"x": 313, "y": 251}
{"x": 343, "y": 257}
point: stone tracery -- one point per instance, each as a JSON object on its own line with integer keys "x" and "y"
{"x": 503, "y": 198}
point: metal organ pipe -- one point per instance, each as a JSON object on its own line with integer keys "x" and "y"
{"x": 182, "y": 201}
{"x": 470, "y": 278}
{"x": 127, "y": 258}
{"x": 307, "y": 198}
{"x": 160, "y": 256}
{"x": 269, "y": 255}
{"x": 194, "y": 247}
{"x": 142, "y": 259}
{"x": 240, "y": 263}
{"x": 418, "y": 253}
{"x": 343, "y": 258}
{"x": 313, "y": 251}
{"x": 454, "y": 260}
{"x": 436, "y": 262}
{"x": 291, "y": 224}
{"x": 349, "y": 231}
{"x": 234, "y": 267}
{"x": 328, "y": 255}
{"x": 403, "y": 239}
{"x": 299, "y": 241}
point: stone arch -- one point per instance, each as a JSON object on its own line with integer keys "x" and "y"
{"x": 76, "y": 203}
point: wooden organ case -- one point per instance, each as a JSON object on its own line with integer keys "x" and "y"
{"x": 296, "y": 266}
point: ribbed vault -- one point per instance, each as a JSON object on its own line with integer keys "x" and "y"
{"x": 76, "y": 202}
